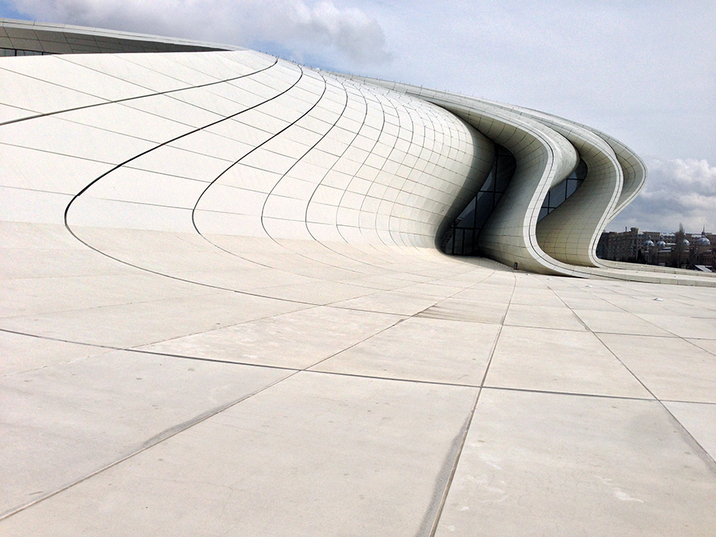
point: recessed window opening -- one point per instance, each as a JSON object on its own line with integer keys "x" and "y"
{"x": 20, "y": 52}
{"x": 559, "y": 193}
{"x": 462, "y": 236}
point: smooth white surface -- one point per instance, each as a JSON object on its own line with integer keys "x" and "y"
{"x": 363, "y": 432}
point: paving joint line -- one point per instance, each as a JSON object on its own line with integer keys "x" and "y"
{"x": 138, "y": 350}
{"x": 152, "y": 442}
{"x": 161, "y": 437}
{"x": 456, "y": 462}
{"x": 701, "y": 451}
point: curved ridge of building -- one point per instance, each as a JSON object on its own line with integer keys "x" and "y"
{"x": 565, "y": 241}
{"x": 240, "y": 143}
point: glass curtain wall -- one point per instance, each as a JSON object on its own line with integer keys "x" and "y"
{"x": 19, "y": 52}
{"x": 462, "y": 236}
{"x": 560, "y": 192}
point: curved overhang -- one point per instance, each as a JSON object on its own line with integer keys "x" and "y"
{"x": 564, "y": 242}
{"x": 379, "y": 165}
{"x": 46, "y": 38}
{"x": 633, "y": 168}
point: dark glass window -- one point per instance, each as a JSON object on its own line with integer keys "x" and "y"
{"x": 19, "y": 52}
{"x": 560, "y": 192}
{"x": 462, "y": 236}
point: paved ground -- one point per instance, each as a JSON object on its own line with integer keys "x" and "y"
{"x": 161, "y": 385}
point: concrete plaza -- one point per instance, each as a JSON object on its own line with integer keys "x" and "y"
{"x": 179, "y": 385}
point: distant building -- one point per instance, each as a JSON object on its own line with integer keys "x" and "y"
{"x": 655, "y": 248}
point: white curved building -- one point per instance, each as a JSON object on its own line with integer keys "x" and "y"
{"x": 227, "y": 308}
{"x": 270, "y": 148}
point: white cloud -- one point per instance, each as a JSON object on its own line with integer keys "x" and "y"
{"x": 677, "y": 191}
{"x": 297, "y": 28}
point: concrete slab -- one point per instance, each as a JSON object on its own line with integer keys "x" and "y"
{"x": 671, "y": 368}
{"x": 29, "y": 296}
{"x": 706, "y": 344}
{"x": 560, "y": 318}
{"x": 692, "y": 326}
{"x": 429, "y": 350}
{"x": 541, "y": 464}
{"x": 465, "y": 310}
{"x": 315, "y": 454}
{"x": 26, "y": 353}
{"x": 142, "y": 323}
{"x": 294, "y": 340}
{"x": 535, "y": 295}
{"x": 698, "y": 419}
{"x": 591, "y": 303}
{"x": 559, "y": 361}
{"x": 618, "y": 323}
{"x": 390, "y": 302}
{"x": 66, "y": 421}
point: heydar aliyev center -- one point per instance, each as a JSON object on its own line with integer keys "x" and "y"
{"x": 246, "y": 297}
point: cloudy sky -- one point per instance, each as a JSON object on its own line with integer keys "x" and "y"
{"x": 643, "y": 71}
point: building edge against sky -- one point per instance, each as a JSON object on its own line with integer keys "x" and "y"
{"x": 546, "y": 150}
